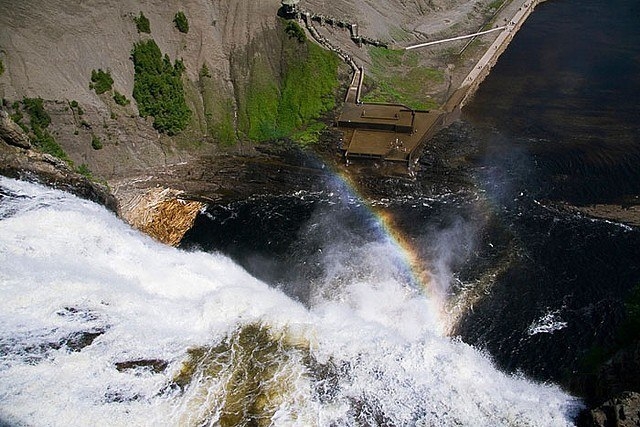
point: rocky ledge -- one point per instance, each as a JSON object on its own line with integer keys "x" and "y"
{"x": 621, "y": 411}
{"x": 19, "y": 160}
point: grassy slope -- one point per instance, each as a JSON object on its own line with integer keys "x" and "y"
{"x": 396, "y": 76}
{"x": 288, "y": 105}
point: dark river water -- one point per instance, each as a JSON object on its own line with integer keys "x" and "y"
{"x": 557, "y": 120}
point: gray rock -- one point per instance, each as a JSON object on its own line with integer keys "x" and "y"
{"x": 32, "y": 165}
{"x": 11, "y": 133}
{"x": 621, "y": 411}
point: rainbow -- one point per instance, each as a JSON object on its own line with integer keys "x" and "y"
{"x": 417, "y": 268}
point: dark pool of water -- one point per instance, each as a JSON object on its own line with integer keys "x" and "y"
{"x": 557, "y": 120}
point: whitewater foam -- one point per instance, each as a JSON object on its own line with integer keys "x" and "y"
{"x": 82, "y": 292}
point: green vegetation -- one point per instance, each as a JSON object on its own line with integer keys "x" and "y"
{"x": 260, "y": 119}
{"x": 101, "y": 81}
{"x": 83, "y": 169}
{"x": 39, "y": 120}
{"x": 120, "y": 99}
{"x": 75, "y": 106}
{"x": 397, "y": 77}
{"x": 495, "y": 5}
{"x": 295, "y": 31}
{"x": 1, "y": 67}
{"x": 47, "y": 144}
{"x": 388, "y": 58}
{"x": 96, "y": 143}
{"x": 218, "y": 111}
{"x": 142, "y": 23}
{"x": 158, "y": 88}
{"x": 38, "y": 115}
{"x": 181, "y": 22}
{"x": 204, "y": 72}
{"x": 224, "y": 130}
{"x": 17, "y": 115}
{"x": 399, "y": 34}
{"x": 307, "y": 90}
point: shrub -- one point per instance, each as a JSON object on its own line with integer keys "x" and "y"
{"x": 39, "y": 117}
{"x": 96, "y": 143}
{"x": 83, "y": 169}
{"x": 120, "y": 99}
{"x": 101, "y": 81}
{"x": 158, "y": 89}
{"x": 17, "y": 117}
{"x": 46, "y": 143}
{"x": 204, "y": 71}
{"x": 1, "y": 67}
{"x": 74, "y": 105}
{"x": 40, "y": 120}
{"x": 295, "y": 31}
{"x": 142, "y": 24}
{"x": 181, "y": 22}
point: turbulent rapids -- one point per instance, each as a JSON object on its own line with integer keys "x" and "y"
{"x": 100, "y": 325}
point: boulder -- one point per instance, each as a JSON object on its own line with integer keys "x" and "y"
{"x": 11, "y": 133}
{"x": 621, "y": 411}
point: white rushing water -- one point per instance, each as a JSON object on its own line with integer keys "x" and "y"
{"x": 82, "y": 293}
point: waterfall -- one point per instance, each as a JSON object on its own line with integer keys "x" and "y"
{"x": 101, "y": 325}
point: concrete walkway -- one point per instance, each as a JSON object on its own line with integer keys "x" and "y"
{"x": 353, "y": 93}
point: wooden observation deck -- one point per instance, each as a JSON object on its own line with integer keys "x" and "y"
{"x": 391, "y": 132}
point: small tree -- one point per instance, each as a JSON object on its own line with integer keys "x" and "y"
{"x": 39, "y": 117}
{"x": 96, "y": 143}
{"x": 295, "y": 31}
{"x": 181, "y": 22}
{"x": 158, "y": 88}
{"x": 119, "y": 98}
{"x": 142, "y": 23}
{"x": 101, "y": 81}
{"x": 204, "y": 71}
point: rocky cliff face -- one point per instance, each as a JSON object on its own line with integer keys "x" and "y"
{"x": 49, "y": 50}
{"x": 620, "y": 411}
{"x": 51, "y": 47}
{"x": 19, "y": 160}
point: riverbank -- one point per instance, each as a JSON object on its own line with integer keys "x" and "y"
{"x": 477, "y": 75}
{"x": 372, "y": 141}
